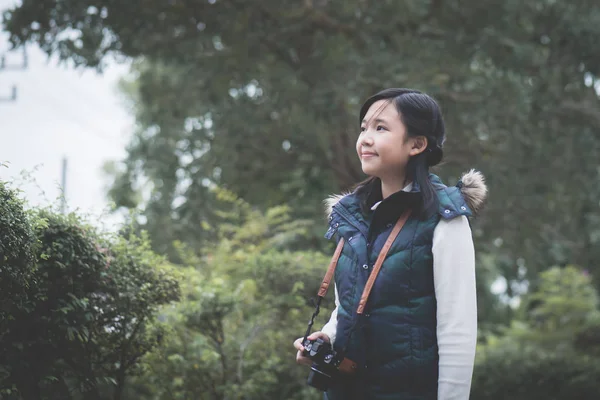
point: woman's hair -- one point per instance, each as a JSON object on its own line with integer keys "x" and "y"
{"x": 421, "y": 115}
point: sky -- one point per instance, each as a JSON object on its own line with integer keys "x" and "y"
{"x": 61, "y": 112}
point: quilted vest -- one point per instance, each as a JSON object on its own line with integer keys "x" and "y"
{"x": 394, "y": 342}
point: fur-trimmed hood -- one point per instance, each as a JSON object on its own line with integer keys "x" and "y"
{"x": 472, "y": 188}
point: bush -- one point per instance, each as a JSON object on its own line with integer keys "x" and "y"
{"x": 587, "y": 340}
{"x": 528, "y": 373}
{"x": 244, "y": 301}
{"x": 16, "y": 269}
{"x": 16, "y": 242}
{"x": 87, "y": 314}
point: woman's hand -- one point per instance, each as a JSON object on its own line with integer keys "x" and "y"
{"x": 300, "y": 359}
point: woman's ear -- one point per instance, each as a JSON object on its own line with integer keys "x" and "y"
{"x": 419, "y": 144}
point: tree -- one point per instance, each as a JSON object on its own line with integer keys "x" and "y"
{"x": 564, "y": 299}
{"x": 16, "y": 266}
{"x": 261, "y": 97}
{"x": 16, "y": 250}
{"x": 243, "y": 304}
{"x": 560, "y": 315}
{"x": 524, "y": 374}
{"x": 551, "y": 350}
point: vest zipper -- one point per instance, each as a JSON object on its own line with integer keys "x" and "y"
{"x": 349, "y": 219}
{"x": 331, "y": 231}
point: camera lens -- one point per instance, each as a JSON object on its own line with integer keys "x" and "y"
{"x": 318, "y": 379}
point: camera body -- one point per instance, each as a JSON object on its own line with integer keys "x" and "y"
{"x": 325, "y": 363}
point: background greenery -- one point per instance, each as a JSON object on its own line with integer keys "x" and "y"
{"x": 246, "y": 119}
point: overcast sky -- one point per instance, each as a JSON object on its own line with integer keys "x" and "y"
{"x": 60, "y": 112}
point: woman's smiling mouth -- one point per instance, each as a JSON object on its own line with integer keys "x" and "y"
{"x": 367, "y": 154}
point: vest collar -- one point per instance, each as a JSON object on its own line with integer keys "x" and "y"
{"x": 470, "y": 192}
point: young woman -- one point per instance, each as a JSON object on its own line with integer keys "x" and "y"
{"x": 417, "y": 336}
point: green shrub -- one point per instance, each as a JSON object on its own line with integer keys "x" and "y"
{"x": 587, "y": 340}
{"x": 16, "y": 268}
{"x": 244, "y": 301}
{"x": 528, "y": 373}
{"x": 16, "y": 242}
{"x": 88, "y": 314}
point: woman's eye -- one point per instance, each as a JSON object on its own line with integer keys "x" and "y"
{"x": 380, "y": 128}
{"x": 362, "y": 128}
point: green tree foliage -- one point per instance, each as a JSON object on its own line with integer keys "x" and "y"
{"x": 243, "y": 303}
{"x": 561, "y": 310}
{"x": 262, "y": 97}
{"x": 87, "y": 315}
{"x": 16, "y": 266}
{"x": 526, "y": 374}
{"x": 16, "y": 251}
{"x": 563, "y": 303}
{"x": 551, "y": 351}
{"x": 587, "y": 340}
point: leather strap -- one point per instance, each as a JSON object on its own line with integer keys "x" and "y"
{"x": 380, "y": 259}
{"x": 348, "y": 366}
{"x": 331, "y": 269}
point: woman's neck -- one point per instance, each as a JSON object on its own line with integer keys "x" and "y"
{"x": 391, "y": 186}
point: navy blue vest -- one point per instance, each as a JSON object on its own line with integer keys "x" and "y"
{"x": 395, "y": 342}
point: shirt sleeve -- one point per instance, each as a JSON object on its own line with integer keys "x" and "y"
{"x": 330, "y": 328}
{"x": 454, "y": 280}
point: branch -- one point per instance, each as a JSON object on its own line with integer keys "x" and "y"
{"x": 460, "y": 97}
{"x": 128, "y": 343}
{"x": 220, "y": 342}
{"x": 341, "y": 163}
{"x": 253, "y": 334}
{"x": 281, "y": 53}
{"x": 582, "y": 108}
{"x": 328, "y": 23}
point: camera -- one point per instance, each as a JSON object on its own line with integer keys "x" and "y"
{"x": 325, "y": 363}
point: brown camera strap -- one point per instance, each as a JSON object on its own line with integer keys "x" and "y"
{"x": 376, "y": 268}
{"x": 347, "y": 365}
{"x": 332, "y": 264}
{"x": 380, "y": 259}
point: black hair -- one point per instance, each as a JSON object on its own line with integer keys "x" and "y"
{"x": 422, "y": 116}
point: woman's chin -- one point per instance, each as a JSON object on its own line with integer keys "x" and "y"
{"x": 368, "y": 170}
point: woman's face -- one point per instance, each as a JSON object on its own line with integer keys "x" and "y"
{"x": 383, "y": 146}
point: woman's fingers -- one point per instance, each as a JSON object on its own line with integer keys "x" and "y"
{"x": 317, "y": 335}
{"x": 298, "y": 344}
{"x": 300, "y": 359}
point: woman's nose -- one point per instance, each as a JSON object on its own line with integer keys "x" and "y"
{"x": 367, "y": 140}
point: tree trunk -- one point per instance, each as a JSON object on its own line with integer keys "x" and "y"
{"x": 344, "y": 161}
{"x": 120, "y": 384}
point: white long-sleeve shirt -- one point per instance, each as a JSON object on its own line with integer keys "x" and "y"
{"x": 454, "y": 282}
